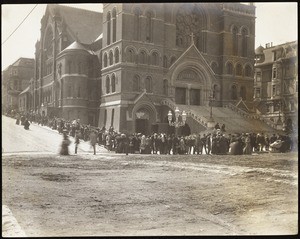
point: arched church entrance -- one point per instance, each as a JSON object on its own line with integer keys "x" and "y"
{"x": 189, "y": 87}
{"x": 145, "y": 122}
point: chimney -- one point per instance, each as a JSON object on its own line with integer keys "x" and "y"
{"x": 271, "y": 44}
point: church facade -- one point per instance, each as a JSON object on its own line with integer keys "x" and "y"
{"x": 128, "y": 66}
{"x": 159, "y": 55}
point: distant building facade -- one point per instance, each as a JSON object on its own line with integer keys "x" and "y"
{"x": 276, "y": 83}
{"x": 15, "y": 79}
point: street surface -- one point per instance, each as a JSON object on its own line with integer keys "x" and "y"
{"x": 112, "y": 194}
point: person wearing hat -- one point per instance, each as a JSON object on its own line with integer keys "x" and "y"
{"x": 93, "y": 140}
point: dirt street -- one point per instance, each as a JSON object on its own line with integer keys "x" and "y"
{"x": 153, "y": 195}
{"x": 138, "y": 195}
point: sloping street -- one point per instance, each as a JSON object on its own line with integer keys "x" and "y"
{"x": 137, "y": 195}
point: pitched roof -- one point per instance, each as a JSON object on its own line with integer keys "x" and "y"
{"x": 77, "y": 46}
{"x": 84, "y": 24}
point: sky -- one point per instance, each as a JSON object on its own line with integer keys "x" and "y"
{"x": 276, "y": 22}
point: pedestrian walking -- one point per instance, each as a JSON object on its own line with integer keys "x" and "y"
{"x": 77, "y": 140}
{"x": 26, "y": 124}
{"x": 93, "y": 140}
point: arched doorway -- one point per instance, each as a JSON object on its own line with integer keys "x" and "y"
{"x": 143, "y": 121}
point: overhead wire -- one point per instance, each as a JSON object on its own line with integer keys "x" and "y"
{"x": 19, "y": 24}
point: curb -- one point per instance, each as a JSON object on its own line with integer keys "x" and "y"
{"x": 10, "y": 225}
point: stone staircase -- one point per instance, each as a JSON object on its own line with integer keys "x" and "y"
{"x": 235, "y": 119}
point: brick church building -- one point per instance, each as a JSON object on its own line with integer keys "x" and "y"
{"x": 129, "y": 65}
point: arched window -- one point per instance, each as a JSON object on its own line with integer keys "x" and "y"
{"x": 165, "y": 87}
{"x": 117, "y": 55}
{"x": 79, "y": 67}
{"x": 136, "y": 84}
{"x": 143, "y": 58}
{"x": 173, "y": 59}
{"x": 235, "y": 40}
{"x": 214, "y": 67}
{"x": 114, "y": 25}
{"x": 165, "y": 62}
{"x": 243, "y": 92}
{"x": 248, "y": 71}
{"x": 131, "y": 56}
{"x": 113, "y": 83}
{"x": 149, "y": 26}
{"x": 154, "y": 59}
{"x": 148, "y": 84}
{"x": 233, "y": 92}
{"x": 78, "y": 93}
{"x": 105, "y": 59}
{"x": 107, "y": 84}
{"x": 239, "y": 70}
{"x": 229, "y": 68}
{"x": 111, "y": 58}
{"x": 244, "y": 42}
{"x": 108, "y": 19}
{"x": 137, "y": 23}
{"x": 70, "y": 91}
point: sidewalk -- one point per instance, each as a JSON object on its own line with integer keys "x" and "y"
{"x": 10, "y": 226}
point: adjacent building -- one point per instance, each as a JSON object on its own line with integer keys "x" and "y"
{"x": 276, "y": 83}
{"x": 15, "y": 79}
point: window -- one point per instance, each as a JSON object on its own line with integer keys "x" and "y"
{"x": 131, "y": 56}
{"x": 114, "y": 23}
{"x": 154, "y": 59}
{"x": 70, "y": 91}
{"x": 239, "y": 70}
{"x": 137, "y": 23}
{"x": 292, "y": 105}
{"x": 105, "y": 60}
{"x": 273, "y": 90}
{"x": 257, "y": 93}
{"x": 244, "y": 43}
{"x": 229, "y": 68}
{"x": 108, "y": 28}
{"x": 165, "y": 87}
{"x": 111, "y": 58}
{"x": 274, "y": 73}
{"x": 258, "y": 76}
{"x": 235, "y": 40}
{"x": 113, "y": 83}
{"x": 248, "y": 71}
{"x": 117, "y": 55}
{"x": 149, "y": 26}
{"x": 78, "y": 93}
{"x": 143, "y": 58}
{"x": 148, "y": 85}
{"x": 69, "y": 67}
{"x": 107, "y": 85}
{"x": 136, "y": 83}
{"x": 79, "y": 67}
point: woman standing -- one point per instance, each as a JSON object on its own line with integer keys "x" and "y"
{"x": 65, "y": 144}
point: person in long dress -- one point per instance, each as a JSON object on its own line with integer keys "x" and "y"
{"x": 65, "y": 144}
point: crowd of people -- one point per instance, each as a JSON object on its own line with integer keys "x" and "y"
{"x": 217, "y": 142}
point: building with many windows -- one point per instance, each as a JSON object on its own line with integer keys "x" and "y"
{"x": 15, "y": 79}
{"x": 276, "y": 83}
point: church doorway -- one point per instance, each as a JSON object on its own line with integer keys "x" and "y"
{"x": 141, "y": 126}
{"x": 180, "y": 95}
{"x": 195, "y": 97}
